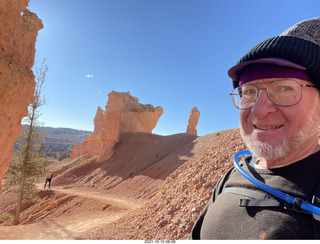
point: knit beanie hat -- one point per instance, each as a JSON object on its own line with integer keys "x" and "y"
{"x": 299, "y": 45}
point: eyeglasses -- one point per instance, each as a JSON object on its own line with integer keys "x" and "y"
{"x": 283, "y": 93}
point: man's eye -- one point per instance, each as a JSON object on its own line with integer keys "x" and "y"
{"x": 248, "y": 92}
{"x": 286, "y": 88}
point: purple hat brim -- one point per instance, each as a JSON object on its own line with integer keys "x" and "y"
{"x": 235, "y": 71}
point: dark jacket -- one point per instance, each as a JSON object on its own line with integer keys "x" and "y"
{"x": 223, "y": 218}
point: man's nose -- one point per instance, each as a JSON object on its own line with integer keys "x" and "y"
{"x": 263, "y": 105}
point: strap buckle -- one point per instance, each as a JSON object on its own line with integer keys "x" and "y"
{"x": 296, "y": 207}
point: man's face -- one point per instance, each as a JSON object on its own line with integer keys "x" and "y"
{"x": 276, "y": 134}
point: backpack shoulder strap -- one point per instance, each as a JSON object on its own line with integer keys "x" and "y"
{"x": 316, "y": 218}
{"x": 261, "y": 199}
{"x": 220, "y": 186}
{"x": 195, "y": 232}
{"x": 257, "y": 198}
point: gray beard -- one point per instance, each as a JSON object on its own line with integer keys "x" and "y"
{"x": 274, "y": 151}
{"x": 285, "y": 146}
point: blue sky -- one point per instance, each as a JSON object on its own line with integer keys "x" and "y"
{"x": 169, "y": 53}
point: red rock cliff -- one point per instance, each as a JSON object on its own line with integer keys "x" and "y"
{"x": 18, "y": 31}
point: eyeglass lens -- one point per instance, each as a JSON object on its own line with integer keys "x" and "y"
{"x": 282, "y": 92}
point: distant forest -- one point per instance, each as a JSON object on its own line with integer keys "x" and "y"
{"x": 60, "y": 141}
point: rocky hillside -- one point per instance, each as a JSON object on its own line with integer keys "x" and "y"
{"x": 171, "y": 213}
{"x": 140, "y": 164}
{"x": 153, "y": 187}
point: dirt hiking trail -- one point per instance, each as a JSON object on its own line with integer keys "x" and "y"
{"x": 105, "y": 209}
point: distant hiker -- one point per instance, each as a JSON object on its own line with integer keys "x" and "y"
{"x": 275, "y": 193}
{"x": 48, "y": 180}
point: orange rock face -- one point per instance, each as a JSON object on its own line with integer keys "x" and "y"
{"x": 75, "y": 151}
{"x": 94, "y": 141}
{"x": 193, "y": 121}
{"x": 84, "y": 145}
{"x": 18, "y": 34}
{"x": 123, "y": 113}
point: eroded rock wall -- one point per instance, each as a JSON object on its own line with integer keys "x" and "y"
{"x": 18, "y": 31}
{"x": 84, "y": 145}
{"x": 94, "y": 141}
{"x": 123, "y": 113}
{"x": 75, "y": 151}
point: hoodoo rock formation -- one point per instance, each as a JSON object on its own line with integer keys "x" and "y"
{"x": 123, "y": 113}
{"x": 92, "y": 142}
{"x": 84, "y": 145}
{"x": 193, "y": 121}
{"x": 18, "y": 30}
{"x": 75, "y": 151}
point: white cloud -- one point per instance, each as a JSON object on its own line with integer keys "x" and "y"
{"x": 89, "y": 76}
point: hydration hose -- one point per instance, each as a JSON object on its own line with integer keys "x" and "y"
{"x": 295, "y": 201}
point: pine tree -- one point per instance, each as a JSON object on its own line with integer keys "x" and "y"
{"x": 28, "y": 162}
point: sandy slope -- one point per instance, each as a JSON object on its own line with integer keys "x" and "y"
{"x": 131, "y": 192}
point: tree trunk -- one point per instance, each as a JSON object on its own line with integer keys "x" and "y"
{"x": 25, "y": 161}
{"x": 19, "y": 203}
